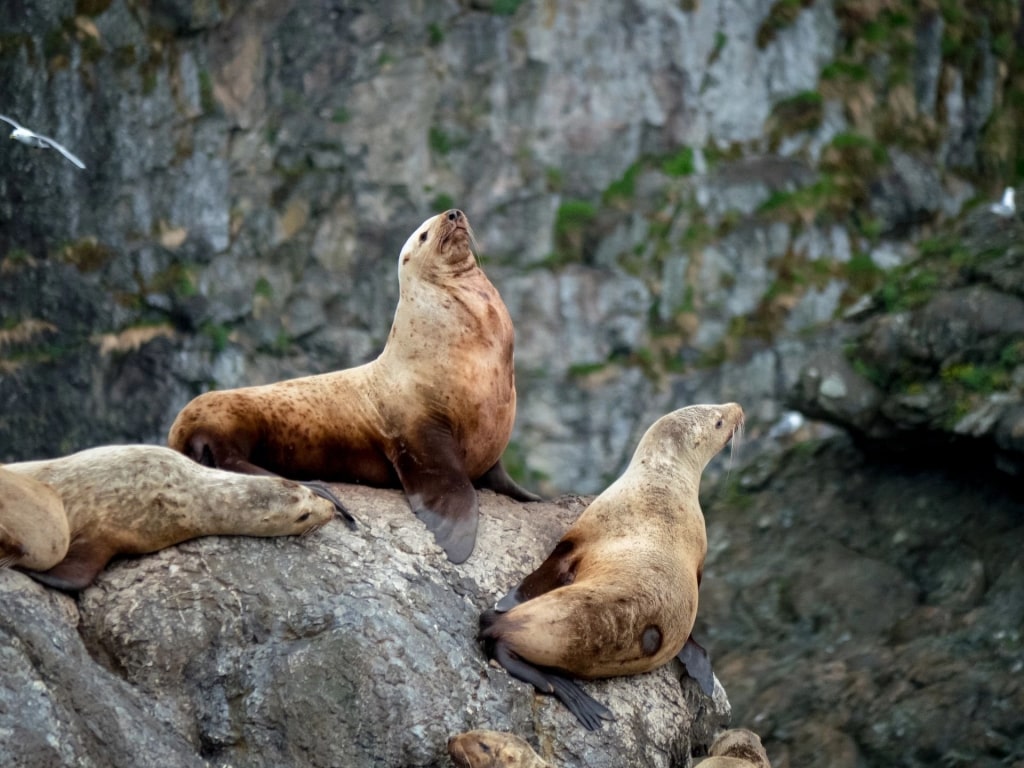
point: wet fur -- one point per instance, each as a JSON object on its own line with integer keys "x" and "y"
{"x": 492, "y": 749}
{"x": 136, "y": 499}
{"x": 736, "y": 748}
{"x": 432, "y": 414}
{"x": 33, "y": 527}
{"x": 618, "y": 595}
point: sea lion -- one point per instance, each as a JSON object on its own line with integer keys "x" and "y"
{"x": 33, "y": 526}
{"x": 431, "y": 415}
{"x": 135, "y": 499}
{"x": 618, "y": 594}
{"x": 736, "y": 748}
{"x": 493, "y": 749}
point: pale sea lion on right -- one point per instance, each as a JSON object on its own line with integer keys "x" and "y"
{"x": 618, "y": 595}
{"x": 34, "y": 529}
{"x": 736, "y": 748}
{"x": 493, "y": 749}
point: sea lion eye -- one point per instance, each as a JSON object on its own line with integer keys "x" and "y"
{"x": 423, "y": 237}
{"x": 718, "y": 424}
{"x": 303, "y": 517}
{"x": 484, "y": 748}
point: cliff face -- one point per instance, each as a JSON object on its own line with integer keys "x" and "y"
{"x": 667, "y": 195}
{"x": 781, "y": 203}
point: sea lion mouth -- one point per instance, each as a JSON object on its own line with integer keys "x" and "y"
{"x": 455, "y": 231}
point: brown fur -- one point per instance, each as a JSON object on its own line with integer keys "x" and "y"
{"x": 135, "y": 499}
{"x": 618, "y": 595}
{"x": 493, "y": 749}
{"x": 33, "y": 527}
{"x": 736, "y": 748}
{"x": 432, "y": 414}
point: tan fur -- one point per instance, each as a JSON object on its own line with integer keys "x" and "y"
{"x": 493, "y": 749}
{"x": 135, "y": 499}
{"x": 736, "y": 748}
{"x": 432, "y": 414}
{"x": 33, "y": 527}
{"x": 640, "y": 549}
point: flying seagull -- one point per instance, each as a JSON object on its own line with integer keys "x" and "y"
{"x": 33, "y": 139}
{"x": 1004, "y": 207}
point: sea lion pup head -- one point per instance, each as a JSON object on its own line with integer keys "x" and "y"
{"x": 440, "y": 248}
{"x": 492, "y": 749}
{"x": 736, "y": 748}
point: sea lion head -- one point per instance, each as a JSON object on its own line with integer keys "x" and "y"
{"x": 492, "y": 749}
{"x": 442, "y": 246}
{"x": 693, "y": 434}
{"x": 741, "y": 744}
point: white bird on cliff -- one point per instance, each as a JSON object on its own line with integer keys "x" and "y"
{"x": 1004, "y": 207}
{"x": 33, "y": 139}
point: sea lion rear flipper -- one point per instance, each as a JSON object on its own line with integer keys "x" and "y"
{"x": 587, "y": 710}
{"x": 440, "y": 493}
{"x": 78, "y": 569}
{"x": 322, "y": 490}
{"x": 698, "y": 665}
{"x": 497, "y": 479}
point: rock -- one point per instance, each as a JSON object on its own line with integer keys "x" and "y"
{"x": 340, "y": 648}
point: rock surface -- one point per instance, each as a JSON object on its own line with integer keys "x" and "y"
{"x": 866, "y": 612}
{"x": 337, "y": 649}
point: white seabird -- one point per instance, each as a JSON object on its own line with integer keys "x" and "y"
{"x": 33, "y": 139}
{"x": 1004, "y": 207}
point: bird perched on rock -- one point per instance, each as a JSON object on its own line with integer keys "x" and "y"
{"x": 33, "y": 139}
{"x": 1004, "y": 207}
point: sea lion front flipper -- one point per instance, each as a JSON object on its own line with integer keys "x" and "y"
{"x": 558, "y": 570}
{"x": 498, "y": 480}
{"x": 440, "y": 492}
{"x": 79, "y": 568}
{"x": 698, "y": 665}
{"x": 587, "y": 710}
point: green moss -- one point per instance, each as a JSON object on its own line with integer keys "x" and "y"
{"x": 980, "y": 379}
{"x": 341, "y": 116}
{"x": 218, "y": 334}
{"x": 797, "y": 114}
{"x": 574, "y": 215}
{"x": 679, "y": 164}
{"x": 624, "y": 188}
{"x": 780, "y": 15}
{"x": 553, "y": 179}
{"x": 442, "y": 202}
{"x": 91, "y": 7}
{"x": 580, "y": 370}
{"x": 842, "y": 69}
{"x": 435, "y": 34}
{"x": 505, "y": 7}
{"x": 263, "y": 288}
{"x": 206, "y": 100}
{"x": 439, "y": 141}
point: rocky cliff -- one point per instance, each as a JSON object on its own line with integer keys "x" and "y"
{"x": 783, "y": 203}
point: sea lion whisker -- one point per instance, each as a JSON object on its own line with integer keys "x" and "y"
{"x": 6, "y": 561}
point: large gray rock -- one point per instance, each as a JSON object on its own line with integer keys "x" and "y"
{"x": 337, "y": 649}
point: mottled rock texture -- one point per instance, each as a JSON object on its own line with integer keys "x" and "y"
{"x": 338, "y": 649}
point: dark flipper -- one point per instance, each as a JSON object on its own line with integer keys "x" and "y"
{"x": 497, "y": 479}
{"x": 440, "y": 492}
{"x": 78, "y": 569}
{"x": 587, "y": 710}
{"x": 324, "y": 492}
{"x": 698, "y": 665}
{"x": 558, "y": 570}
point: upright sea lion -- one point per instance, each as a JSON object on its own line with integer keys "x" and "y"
{"x": 432, "y": 414}
{"x": 618, "y": 595}
{"x": 736, "y": 748}
{"x": 33, "y": 527}
{"x": 135, "y": 499}
{"x": 493, "y": 749}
